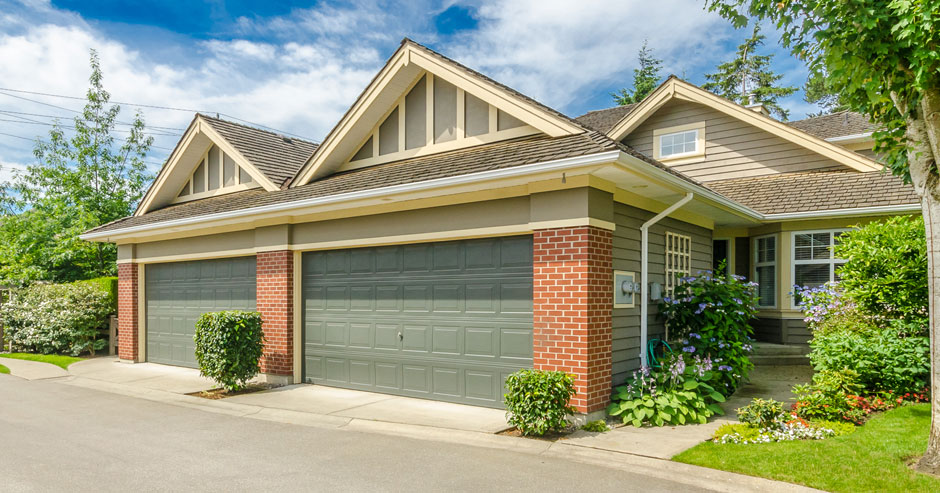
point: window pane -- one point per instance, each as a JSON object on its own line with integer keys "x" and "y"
{"x": 416, "y": 115}
{"x": 678, "y": 143}
{"x": 811, "y": 275}
{"x": 214, "y": 164}
{"x": 766, "y": 289}
{"x": 228, "y": 171}
{"x": 364, "y": 152}
{"x": 185, "y": 191}
{"x": 199, "y": 178}
{"x": 388, "y": 134}
{"x": 244, "y": 177}
{"x": 445, "y": 111}
{"x": 505, "y": 121}
{"x": 767, "y": 249}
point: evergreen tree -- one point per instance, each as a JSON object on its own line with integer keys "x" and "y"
{"x": 749, "y": 77}
{"x": 645, "y": 78}
{"x": 77, "y": 183}
{"x": 818, "y": 90}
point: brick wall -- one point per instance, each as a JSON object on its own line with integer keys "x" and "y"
{"x": 573, "y": 303}
{"x": 127, "y": 312}
{"x": 275, "y": 301}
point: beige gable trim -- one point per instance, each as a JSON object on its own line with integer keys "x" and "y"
{"x": 676, "y": 88}
{"x": 198, "y": 130}
{"x": 408, "y": 61}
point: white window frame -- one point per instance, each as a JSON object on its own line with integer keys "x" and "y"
{"x": 832, "y": 261}
{"x": 773, "y": 263}
{"x": 238, "y": 186}
{"x": 696, "y": 155}
{"x": 677, "y": 260}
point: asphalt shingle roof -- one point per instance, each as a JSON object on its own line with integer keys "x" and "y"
{"x": 277, "y": 156}
{"x": 833, "y": 125}
{"x": 816, "y": 191}
{"x": 499, "y": 155}
{"x": 604, "y": 120}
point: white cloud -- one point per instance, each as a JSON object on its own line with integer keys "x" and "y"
{"x": 8, "y": 170}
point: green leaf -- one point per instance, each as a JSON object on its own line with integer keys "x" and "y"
{"x": 690, "y": 385}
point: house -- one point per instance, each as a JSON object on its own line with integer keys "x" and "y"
{"x": 450, "y": 230}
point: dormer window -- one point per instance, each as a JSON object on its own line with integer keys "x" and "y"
{"x": 215, "y": 174}
{"x": 685, "y": 142}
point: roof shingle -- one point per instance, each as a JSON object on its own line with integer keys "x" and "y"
{"x": 277, "y": 156}
{"x": 816, "y": 191}
{"x": 604, "y": 120}
{"x": 839, "y": 124}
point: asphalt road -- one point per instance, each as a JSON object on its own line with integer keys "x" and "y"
{"x": 56, "y": 437}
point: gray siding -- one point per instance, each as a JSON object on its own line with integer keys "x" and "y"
{"x": 733, "y": 148}
{"x": 626, "y": 256}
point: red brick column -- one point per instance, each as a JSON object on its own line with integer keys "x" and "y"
{"x": 127, "y": 312}
{"x": 275, "y": 300}
{"x": 573, "y": 308}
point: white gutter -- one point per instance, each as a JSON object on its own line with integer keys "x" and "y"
{"x": 644, "y": 271}
{"x": 848, "y": 139}
{"x": 559, "y": 164}
{"x": 859, "y": 211}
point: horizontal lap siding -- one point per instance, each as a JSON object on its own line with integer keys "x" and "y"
{"x": 733, "y": 148}
{"x": 626, "y": 256}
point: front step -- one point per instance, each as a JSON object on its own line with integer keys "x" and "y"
{"x": 780, "y": 360}
{"x": 769, "y": 349}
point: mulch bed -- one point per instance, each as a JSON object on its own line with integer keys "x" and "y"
{"x": 548, "y": 437}
{"x": 222, "y": 393}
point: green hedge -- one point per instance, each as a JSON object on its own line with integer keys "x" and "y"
{"x": 56, "y": 318}
{"x": 107, "y": 284}
{"x": 229, "y": 346}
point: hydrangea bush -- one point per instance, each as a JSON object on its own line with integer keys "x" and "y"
{"x": 56, "y": 318}
{"x": 676, "y": 394}
{"x": 710, "y": 315}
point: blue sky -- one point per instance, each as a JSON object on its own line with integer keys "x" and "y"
{"x": 297, "y": 66}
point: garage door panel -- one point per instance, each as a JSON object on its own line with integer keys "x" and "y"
{"x": 177, "y": 294}
{"x": 445, "y": 321}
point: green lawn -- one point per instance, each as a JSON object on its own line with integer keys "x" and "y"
{"x": 4, "y": 369}
{"x": 55, "y": 359}
{"x": 873, "y": 458}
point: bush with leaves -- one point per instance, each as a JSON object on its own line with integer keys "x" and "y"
{"x": 229, "y": 345}
{"x": 711, "y": 314}
{"x": 676, "y": 394}
{"x": 762, "y": 413}
{"x": 829, "y": 397}
{"x": 56, "y": 318}
{"x": 537, "y": 401}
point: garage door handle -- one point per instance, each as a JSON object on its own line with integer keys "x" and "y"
{"x": 401, "y": 337}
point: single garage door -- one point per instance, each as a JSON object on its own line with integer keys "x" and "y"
{"x": 445, "y": 321}
{"x": 179, "y": 293}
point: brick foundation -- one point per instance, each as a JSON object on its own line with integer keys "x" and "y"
{"x": 127, "y": 312}
{"x": 275, "y": 301}
{"x": 573, "y": 307}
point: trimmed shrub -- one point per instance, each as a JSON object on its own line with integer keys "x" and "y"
{"x": 537, "y": 401}
{"x": 107, "y": 284}
{"x": 711, "y": 314}
{"x": 886, "y": 268}
{"x": 229, "y": 345}
{"x": 56, "y": 318}
{"x": 762, "y": 413}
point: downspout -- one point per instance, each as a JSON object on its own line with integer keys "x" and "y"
{"x": 645, "y": 274}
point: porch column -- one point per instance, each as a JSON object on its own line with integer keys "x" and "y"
{"x": 128, "y": 327}
{"x": 573, "y": 309}
{"x": 275, "y": 297}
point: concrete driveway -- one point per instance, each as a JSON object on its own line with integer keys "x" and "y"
{"x": 63, "y": 437}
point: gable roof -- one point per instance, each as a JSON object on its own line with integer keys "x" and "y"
{"x": 489, "y": 157}
{"x": 277, "y": 156}
{"x": 675, "y": 88}
{"x": 835, "y": 125}
{"x": 817, "y": 191}
{"x": 402, "y": 68}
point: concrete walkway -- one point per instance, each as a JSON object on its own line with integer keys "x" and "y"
{"x": 768, "y": 382}
{"x": 32, "y": 370}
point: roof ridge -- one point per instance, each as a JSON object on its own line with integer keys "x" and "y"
{"x": 250, "y": 127}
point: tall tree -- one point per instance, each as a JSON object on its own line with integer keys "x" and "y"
{"x": 882, "y": 57}
{"x": 819, "y": 91}
{"x": 748, "y": 78}
{"x": 77, "y": 183}
{"x": 645, "y": 78}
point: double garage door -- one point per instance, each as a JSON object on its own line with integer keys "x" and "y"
{"x": 179, "y": 293}
{"x": 445, "y": 321}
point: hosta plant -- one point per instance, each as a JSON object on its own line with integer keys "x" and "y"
{"x": 676, "y": 394}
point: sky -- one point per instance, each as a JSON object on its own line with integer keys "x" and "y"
{"x": 296, "y": 67}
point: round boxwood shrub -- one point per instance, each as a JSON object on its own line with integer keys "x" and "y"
{"x": 537, "y": 400}
{"x": 228, "y": 347}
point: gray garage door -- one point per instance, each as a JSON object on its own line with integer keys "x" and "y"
{"x": 179, "y": 293}
{"x": 445, "y": 321}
